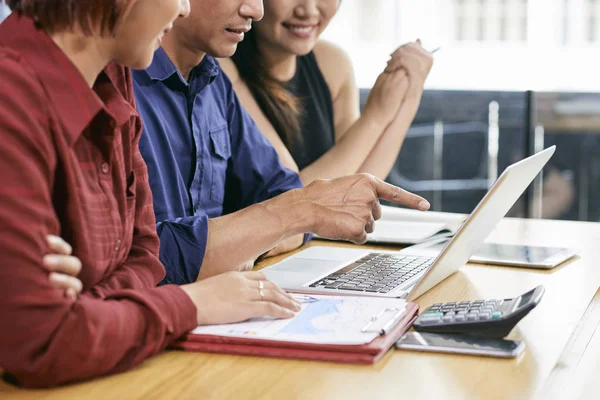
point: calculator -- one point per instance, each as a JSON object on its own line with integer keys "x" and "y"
{"x": 487, "y": 318}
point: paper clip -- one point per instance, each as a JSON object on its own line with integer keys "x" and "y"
{"x": 387, "y": 325}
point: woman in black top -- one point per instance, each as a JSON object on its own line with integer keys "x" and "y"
{"x": 302, "y": 94}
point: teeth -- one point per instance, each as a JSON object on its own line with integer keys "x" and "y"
{"x": 301, "y": 29}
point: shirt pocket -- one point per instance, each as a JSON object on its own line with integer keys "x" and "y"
{"x": 220, "y": 155}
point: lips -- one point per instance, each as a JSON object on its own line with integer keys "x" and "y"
{"x": 237, "y": 33}
{"x": 303, "y": 31}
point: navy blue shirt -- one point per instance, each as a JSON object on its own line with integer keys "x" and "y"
{"x": 205, "y": 157}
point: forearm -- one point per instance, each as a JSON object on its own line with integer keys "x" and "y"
{"x": 240, "y": 238}
{"x": 60, "y": 341}
{"x": 347, "y": 156}
{"x": 385, "y": 153}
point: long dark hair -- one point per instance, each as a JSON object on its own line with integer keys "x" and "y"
{"x": 280, "y": 106}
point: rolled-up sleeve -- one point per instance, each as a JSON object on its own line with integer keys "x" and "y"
{"x": 182, "y": 247}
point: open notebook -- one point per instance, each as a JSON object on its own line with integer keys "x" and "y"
{"x": 405, "y": 226}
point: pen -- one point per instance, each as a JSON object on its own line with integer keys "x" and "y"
{"x": 304, "y": 299}
{"x": 434, "y": 50}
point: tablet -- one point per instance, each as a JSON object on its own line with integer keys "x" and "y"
{"x": 522, "y": 256}
{"x": 516, "y": 255}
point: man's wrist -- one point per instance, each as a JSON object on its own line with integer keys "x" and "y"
{"x": 294, "y": 212}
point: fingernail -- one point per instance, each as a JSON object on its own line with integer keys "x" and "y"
{"x": 424, "y": 205}
{"x": 289, "y": 314}
{"x": 298, "y": 306}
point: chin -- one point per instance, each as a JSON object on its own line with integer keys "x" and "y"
{"x": 142, "y": 62}
{"x": 223, "y": 51}
{"x": 301, "y": 49}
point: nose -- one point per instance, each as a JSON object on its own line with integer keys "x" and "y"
{"x": 308, "y": 8}
{"x": 184, "y": 8}
{"x": 252, "y": 9}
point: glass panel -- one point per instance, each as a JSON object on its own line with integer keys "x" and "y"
{"x": 571, "y": 182}
{"x": 446, "y": 155}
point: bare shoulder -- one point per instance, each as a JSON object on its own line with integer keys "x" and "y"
{"x": 230, "y": 69}
{"x": 335, "y": 65}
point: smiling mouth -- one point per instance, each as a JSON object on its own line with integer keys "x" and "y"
{"x": 302, "y": 29}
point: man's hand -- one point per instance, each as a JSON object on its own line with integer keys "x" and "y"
{"x": 347, "y": 208}
{"x": 63, "y": 266}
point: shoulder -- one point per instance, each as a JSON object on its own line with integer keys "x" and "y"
{"x": 335, "y": 65}
{"x": 228, "y": 68}
{"x": 19, "y": 80}
{"x": 22, "y": 95}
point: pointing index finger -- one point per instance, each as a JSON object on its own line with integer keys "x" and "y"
{"x": 392, "y": 193}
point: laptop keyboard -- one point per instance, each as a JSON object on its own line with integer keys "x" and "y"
{"x": 375, "y": 273}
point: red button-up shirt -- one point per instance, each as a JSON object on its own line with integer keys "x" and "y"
{"x": 70, "y": 166}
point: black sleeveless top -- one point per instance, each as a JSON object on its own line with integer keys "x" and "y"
{"x": 316, "y": 119}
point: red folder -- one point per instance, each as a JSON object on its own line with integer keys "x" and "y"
{"x": 368, "y": 353}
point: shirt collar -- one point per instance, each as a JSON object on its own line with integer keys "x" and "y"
{"x": 162, "y": 68}
{"x": 76, "y": 104}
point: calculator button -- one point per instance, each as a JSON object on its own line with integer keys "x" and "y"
{"x": 432, "y": 315}
{"x": 472, "y": 317}
{"x": 459, "y": 318}
{"x": 447, "y": 318}
{"x": 462, "y": 312}
{"x": 450, "y": 313}
{"x": 487, "y": 309}
{"x": 430, "y": 321}
{"x": 484, "y": 316}
{"x": 496, "y": 315}
{"x": 464, "y": 303}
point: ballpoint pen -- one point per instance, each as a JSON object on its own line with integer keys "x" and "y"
{"x": 304, "y": 298}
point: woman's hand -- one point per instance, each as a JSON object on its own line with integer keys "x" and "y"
{"x": 63, "y": 266}
{"x": 238, "y": 296}
{"x": 413, "y": 59}
{"x": 386, "y": 97}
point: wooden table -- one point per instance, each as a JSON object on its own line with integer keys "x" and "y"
{"x": 562, "y": 336}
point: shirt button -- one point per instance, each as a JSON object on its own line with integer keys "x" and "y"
{"x": 104, "y": 168}
{"x": 118, "y": 245}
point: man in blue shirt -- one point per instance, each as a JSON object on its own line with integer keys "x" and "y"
{"x": 221, "y": 196}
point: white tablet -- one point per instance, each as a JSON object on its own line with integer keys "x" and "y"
{"x": 516, "y": 255}
{"x": 522, "y": 256}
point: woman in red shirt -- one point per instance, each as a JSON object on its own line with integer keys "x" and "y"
{"x": 70, "y": 165}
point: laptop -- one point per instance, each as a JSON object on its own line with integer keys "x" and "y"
{"x": 413, "y": 271}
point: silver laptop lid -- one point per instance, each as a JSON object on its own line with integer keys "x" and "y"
{"x": 490, "y": 210}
